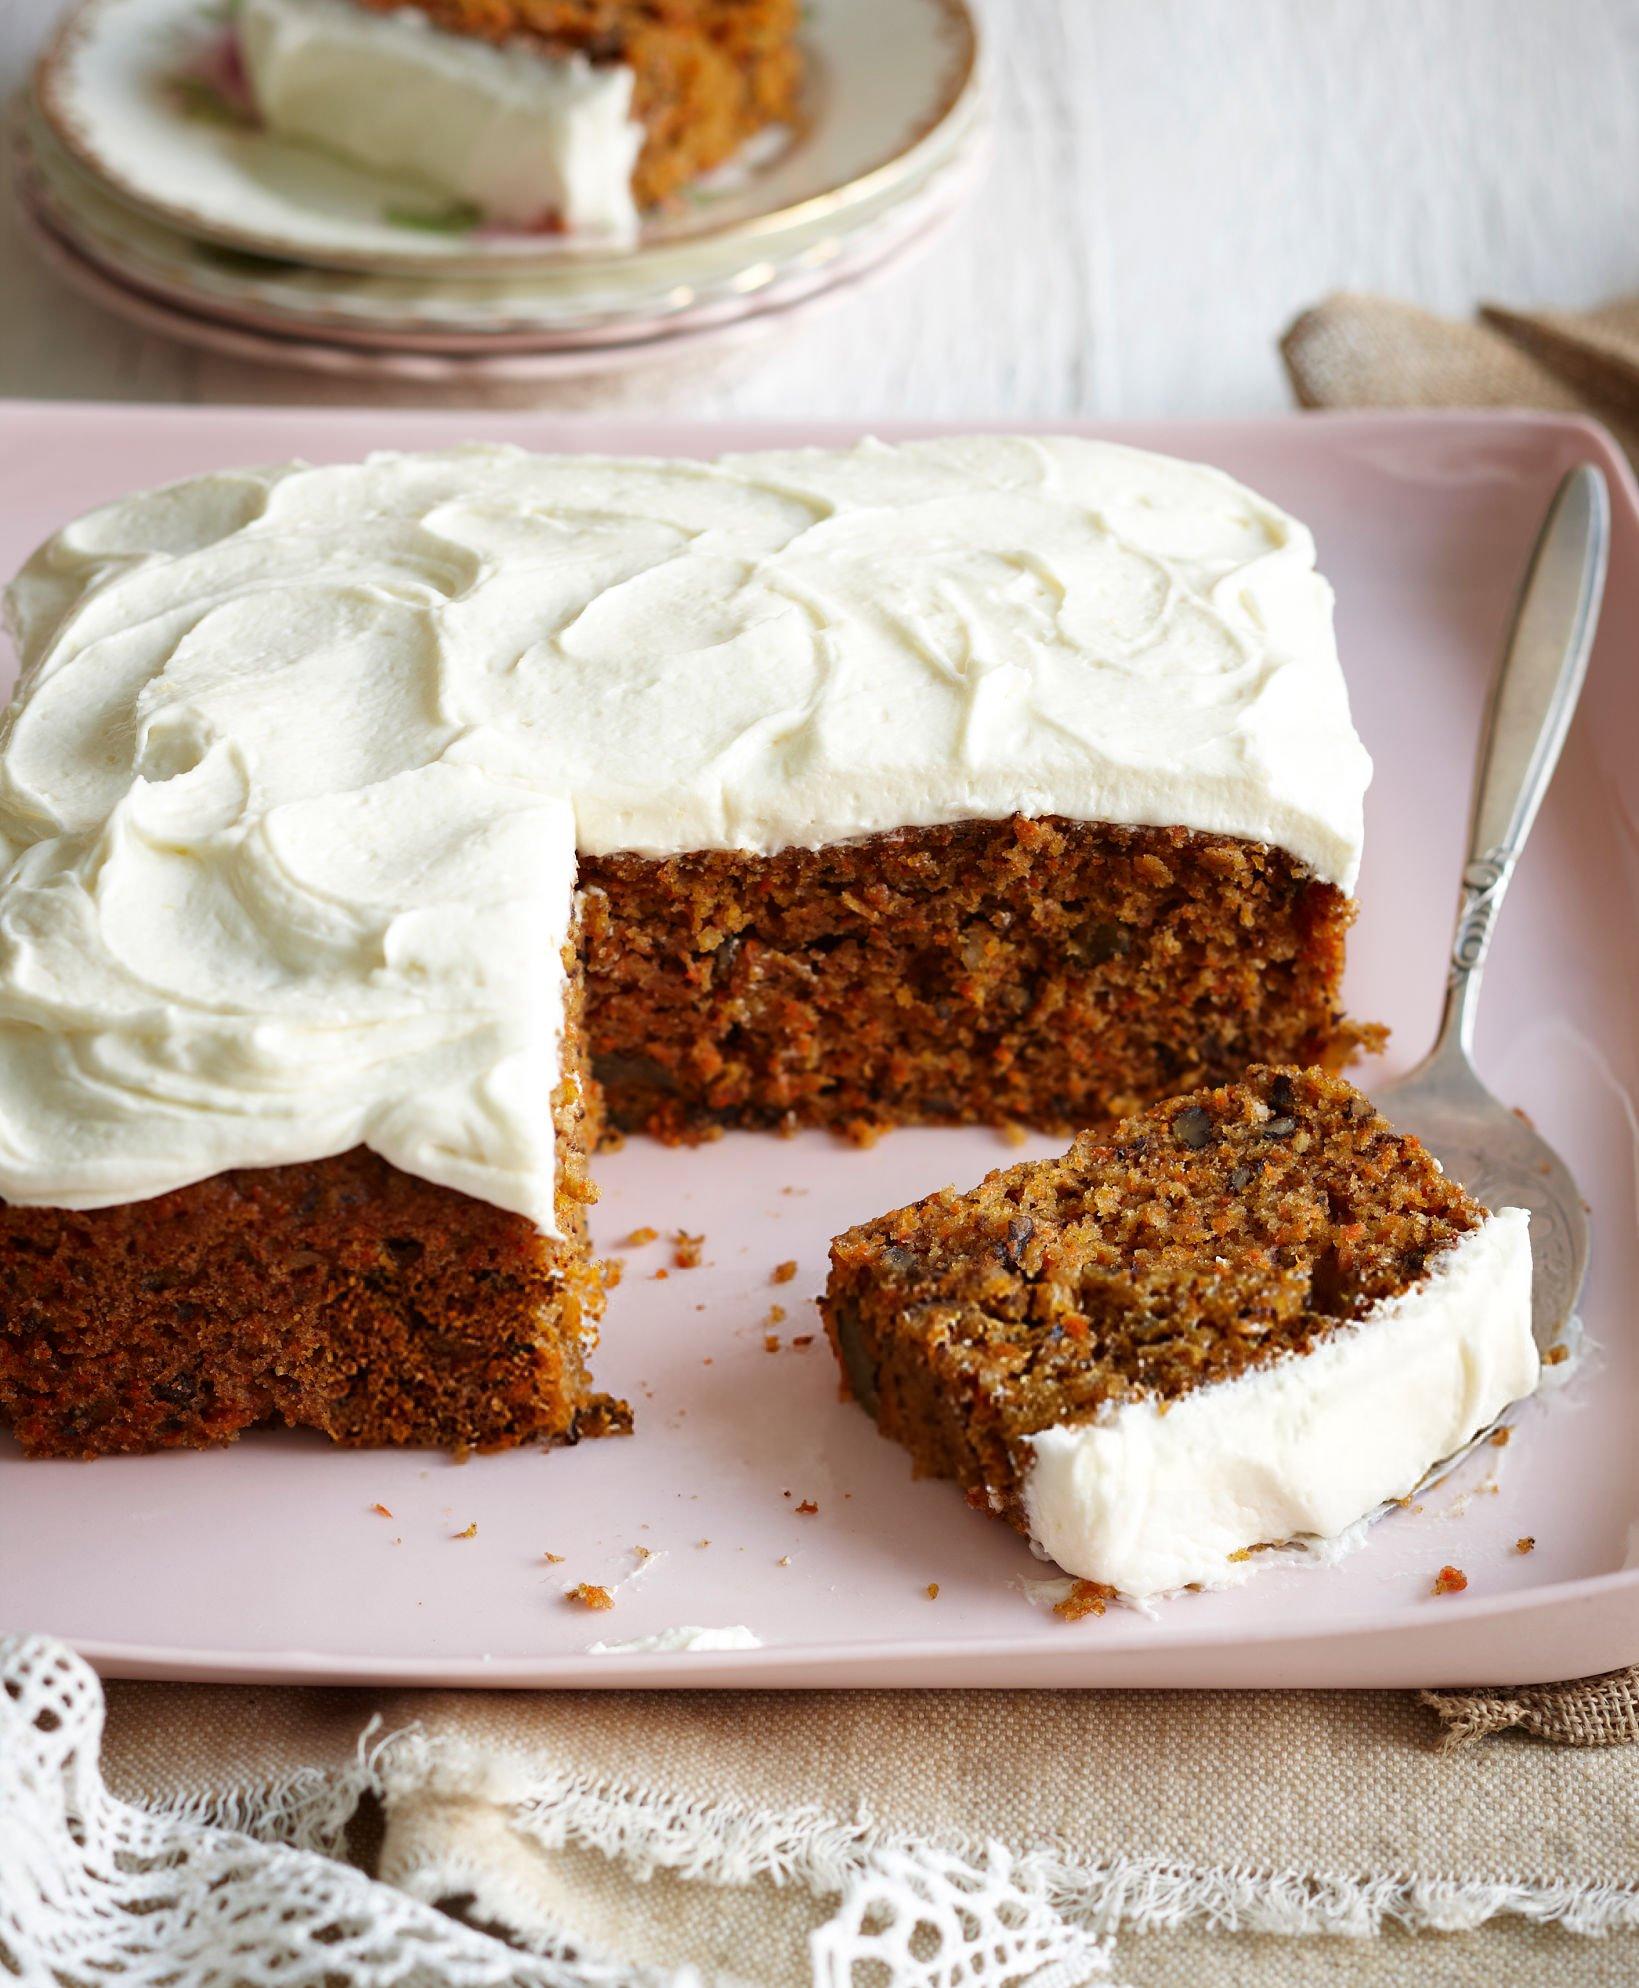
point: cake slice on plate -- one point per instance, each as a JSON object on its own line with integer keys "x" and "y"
{"x": 541, "y": 114}
{"x": 1250, "y": 1313}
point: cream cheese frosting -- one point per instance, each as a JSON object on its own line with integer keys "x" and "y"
{"x": 1150, "y": 1497}
{"x": 274, "y": 723}
{"x": 525, "y": 136}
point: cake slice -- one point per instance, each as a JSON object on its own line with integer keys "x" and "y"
{"x": 540, "y": 114}
{"x": 1250, "y": 1313}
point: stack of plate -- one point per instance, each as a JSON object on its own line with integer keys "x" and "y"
{"x": 149, "y": 187}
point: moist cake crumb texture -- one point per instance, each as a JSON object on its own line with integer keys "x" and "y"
{"x": 1207, "y": 1237}
{"x": 1046, "y": 972}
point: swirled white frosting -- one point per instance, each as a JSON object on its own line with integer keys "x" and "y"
{"x": 1149, "y": 1497}
{"x": 293, "y": 782}
{"x": 525, "y": 136}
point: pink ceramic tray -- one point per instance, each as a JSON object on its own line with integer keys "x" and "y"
{"x": 267, "y": 1560}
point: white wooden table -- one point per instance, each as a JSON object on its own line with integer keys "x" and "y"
{"x": 1174, "y": 180}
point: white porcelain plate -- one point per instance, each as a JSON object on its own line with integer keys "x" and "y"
{"x": 272, "y": 1558}
{"x": 126, "y": 86}
{"x": 672, "y": 289}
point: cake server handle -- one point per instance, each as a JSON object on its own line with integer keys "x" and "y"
{"x": 1528, "y": 713}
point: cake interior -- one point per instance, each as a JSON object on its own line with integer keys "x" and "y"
{"x": 1047, "y": 973}
{"x": 1207, "y": 1237}
{"x": 1043, "y": 972}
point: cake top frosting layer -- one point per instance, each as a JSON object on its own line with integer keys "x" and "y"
{"x": 769, "y": 650}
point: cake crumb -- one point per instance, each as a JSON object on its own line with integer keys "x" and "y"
{"x": 1012, "y": 1135}
{"x": 467, "y": 1531}
{"x": 1085, "y": 1598}
{"x": 1241, "y": 1553}
{"x": 771, "y": 1342}
{"x": 1450, "y": 1581}
{"x": 784, "y": 1272}
{"x": 808, "y": 1508}
{"x": 381, "y": 1511}
{"x": 776, "y": 1315}
{"x": 686, "y": 1250}
{"x": 933, "y": 1591}
{"x": 553, "y": 1559}
{"x": 1556, "y": 1354}
{"x": 661, "y": 1274}
{"x": 1499, "y": 1438}
{"x": 783, "y": 1561}
{"x": 589, "y": 1595}
{"x": 1526, "y": 1543}
{"x": 702, "y": 1542}
{"x": 611, "y": 1270}
{"x": 638, "y": 1238}
{"x": 801, "y": 1339}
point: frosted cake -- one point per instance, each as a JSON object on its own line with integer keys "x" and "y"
{"x": 369, "y": 829}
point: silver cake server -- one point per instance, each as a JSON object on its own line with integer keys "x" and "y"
{"x": 1476, "y": 1138}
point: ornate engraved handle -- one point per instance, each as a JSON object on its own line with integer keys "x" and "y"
{"x": 1529, "y": 712}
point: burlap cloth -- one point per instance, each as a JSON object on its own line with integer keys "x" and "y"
{"x": 912, "y": 1840}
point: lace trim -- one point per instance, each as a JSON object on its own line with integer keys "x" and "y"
{"x": 243, "y": 1889}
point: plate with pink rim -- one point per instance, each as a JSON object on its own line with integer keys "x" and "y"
{"x": 241, "y": 336}
{"x": 522, "y": 310}
{"x": 148, "y": 97}
{"x": 751, "y": 1498}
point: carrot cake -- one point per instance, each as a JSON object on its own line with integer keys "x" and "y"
{"x": 966, "y": 780}
{"x": 1249, "y": 1313}
{"x": 571, "y": 114}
